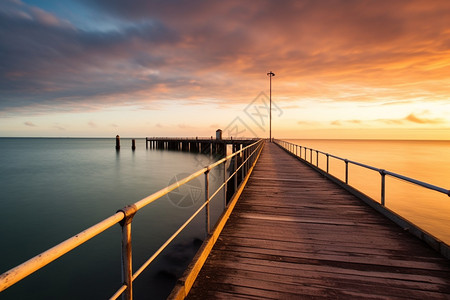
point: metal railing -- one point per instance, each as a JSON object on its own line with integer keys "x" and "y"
{"x": 242, "y": 162}
{"x": 301, "y": 152}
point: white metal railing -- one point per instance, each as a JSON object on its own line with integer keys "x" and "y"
{"x": 242, "y": 162}
{"x": 297, "y": 150}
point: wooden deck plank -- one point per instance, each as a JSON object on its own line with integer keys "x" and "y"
{"x": 294, "y": 234}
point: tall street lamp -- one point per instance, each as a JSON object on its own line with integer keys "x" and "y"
{"x": 270, "y": 74}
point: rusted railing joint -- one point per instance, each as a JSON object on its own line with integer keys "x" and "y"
{"x": 129, "y": 211}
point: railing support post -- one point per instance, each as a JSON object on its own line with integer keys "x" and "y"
{"x": 235, "y": 172}
{"x": 310, "y": 156}
{"x": 127, "y": 267}
{"x": 317, "y": 158}
{"x": 247, "y": 153}
{"x": 383, "y": 187}
{"x": 328, "y": 162}
{"x": 207, "y": 202}
{"x": 225, "y": 184}
{"x": 346, "y": 171}
{"x": 242, "y": 165}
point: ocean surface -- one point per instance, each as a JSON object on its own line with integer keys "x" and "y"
{"x": 53, "y": 188}
{"x": 427, "y": 161}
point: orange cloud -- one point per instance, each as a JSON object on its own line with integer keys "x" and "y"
{"x": 413, "y": 118}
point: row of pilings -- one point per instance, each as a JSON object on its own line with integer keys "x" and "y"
{"x": 195, "y": 145}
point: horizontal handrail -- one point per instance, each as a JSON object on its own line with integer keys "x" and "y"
{"x": 381, "y": 171}
{"x": 32, "y": 265}
{"x": 418, "y": 182}
{"x": 124, "y": 217}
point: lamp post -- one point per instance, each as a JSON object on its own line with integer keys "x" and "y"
{"x": 270, "y": 74}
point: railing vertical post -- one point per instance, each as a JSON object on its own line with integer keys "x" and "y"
{"x": 235, "y": 172}
{"x": 225, "y": 184}
{"x": 310, "y": 156}
{"x": 242, "y": 165}
{"x": 328, "y": 161}
{"x": 247, "y": 152}
{"x": 207, "y": 201}
{"x": 346, "y": 171}
{"x": 246, "y": 162}
{"x": 317, "y": 158}
{"x": 127, "y": 267}
{"x": 383, "y": 187}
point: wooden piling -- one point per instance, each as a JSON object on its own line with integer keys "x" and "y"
{"x": 117, "y": 142}
{"x": 133, "y": 144}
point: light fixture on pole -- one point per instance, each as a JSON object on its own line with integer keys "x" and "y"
{"x": 270, "y": 74}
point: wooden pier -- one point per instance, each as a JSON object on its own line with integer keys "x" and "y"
{"x": 196, "y": 144}
{"x": 294, "y": 234}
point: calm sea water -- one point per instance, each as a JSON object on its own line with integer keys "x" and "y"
{"x": 427, "y": 161}
{"x": 52, "y": 189}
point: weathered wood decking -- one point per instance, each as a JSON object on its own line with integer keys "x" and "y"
{"x": 294, "y": 234}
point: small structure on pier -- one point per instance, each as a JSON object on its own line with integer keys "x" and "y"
{"x": 219, "y": 134}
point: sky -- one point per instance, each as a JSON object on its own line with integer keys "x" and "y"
{"x": 343, "y": 68}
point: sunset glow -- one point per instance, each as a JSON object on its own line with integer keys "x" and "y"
{"x": 344, "y": 68}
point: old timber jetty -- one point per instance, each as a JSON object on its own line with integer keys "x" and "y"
{"x": 289, "y": 230}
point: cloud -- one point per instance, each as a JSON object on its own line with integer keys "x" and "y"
{"x": 308, "y": 123}
{"x": 184, "y": 126}
{"x": 48, "y": 62}
{"x": 345, "y": 122}
{"x": 336, "y": 123}
{"x": 291, "y": 107}
{"x": 30, "y": 124}
{"x": 342, "y": 50}
{"x": 92, "y": 124}
{"x": 415, "y": 119}
{"x": 59, "y": 127}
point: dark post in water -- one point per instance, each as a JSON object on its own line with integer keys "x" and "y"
{"x": 133, "y": 144}
{"x": 117, "y": 142}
